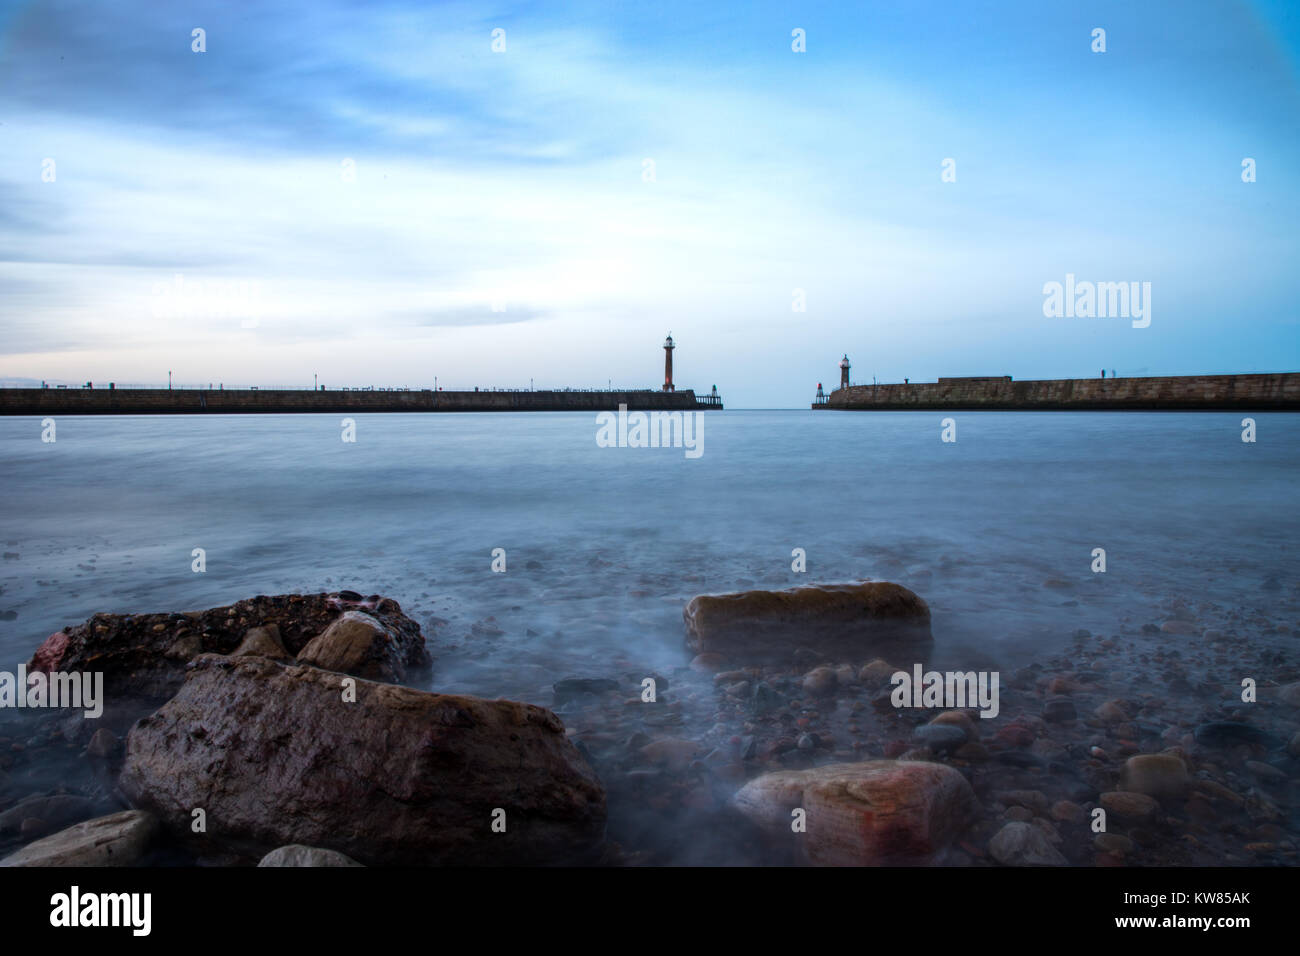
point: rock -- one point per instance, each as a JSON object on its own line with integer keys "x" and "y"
{"x": 1034, "y": 800}
{"x": 400, "y": 776}
{"x": 876, "y": 812}
{"x": 299, "y": 855}
{"x": 58, "y": 810}
{"x": 939, "y": 737}
{"x": 764, "y": 699}
{"x": 1265, "y": 771}
{"x": 1293, "y": 745}
{"x": 846, "y": 674}
{"x": 1228, "y": 733}
{"x": 1133, "y": 807}
{"x": 119, "y": 839}
{"x": 1290, "y": 694}
{"x": 958, "y": 718}
{"x": 572, "y": 688}
{"x": 876, "y": 673}
{"x": 671, "y": 752}
{"x": 1115, "y": 843}
{"x": 1023, "y": 844}
{"x": 358, "y": 644}
{"x": 1162, "y": 776}
{"x": 1112, "y": 712}
{"x": 103, "y": 744}
{"x": 820, "y": 681}
{"x": 262, "y": 642}
{"x": 1176, "y": 626}
{"x": 1059, "y": 710}
{"x": 1067, "y": 811}
{"x": 846, "y": 620}
{"x": 143, "y": 656}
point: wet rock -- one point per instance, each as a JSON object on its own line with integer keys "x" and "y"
{"x": 299, "y": 855}
{"x": 1023, "y": 844}
{"x": 820, "y": 681}
{"x": 119, "y": 839}
{"x": 143, "y": 656}
{"x": 939, "y": 737}
{"x": 1059, "y": 710}
{"x": 1162, "y": 776}
{"x": 276, "y": 756}
{"x": 1067, "y": 811}
{"x": 876, "y": 673}
{"x": 1228, "y": 733}
{"x": 848, "y": 620}
{"x": 1115, "y": 843}
{"x": 1112, "y": 712}
{"x": 876, "y": 812}
{"x": 1131, "y": 807}
{"x": 55, "y": 811}
{"x": 103, "y": 744}
{"x": 674, "y": 753}
{"x": 358, "y": 644}
{"x": 765, "y": 699}
{"x": 1266, "y": 772}
{"x": 1034, "y": 800}
{"x": 262, "y": 642}
{"x": 960, "y": 719}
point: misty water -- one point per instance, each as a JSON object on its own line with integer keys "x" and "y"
{"x": 603, "y": 546}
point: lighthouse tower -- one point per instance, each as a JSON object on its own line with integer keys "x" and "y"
{"x": 844, "y": 372}
{"x": 668, "y": 363}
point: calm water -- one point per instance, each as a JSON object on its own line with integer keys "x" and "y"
{"x": 604, "y": 545}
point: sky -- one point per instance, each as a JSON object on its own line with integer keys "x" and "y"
{"x": 392, "y": 194}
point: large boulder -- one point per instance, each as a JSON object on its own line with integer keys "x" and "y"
{"x": 119, "y": 839}
{"x": 143, "y": 656}
{"x": 275, "y": 755}
{"x": 844, "y": 622}
{"x": 875, "y": 812}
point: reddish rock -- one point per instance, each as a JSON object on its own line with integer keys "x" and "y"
{"x": 876, "y": 812}
{"x": 1162, "y": 776}
{"x": 143, "y": 656}
{"x": 275, "y": 756}
{"x": 840, "y": 621}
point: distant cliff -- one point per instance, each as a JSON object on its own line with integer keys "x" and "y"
{"x": 1274, "y": 391}
{"x": 231, "y": 401}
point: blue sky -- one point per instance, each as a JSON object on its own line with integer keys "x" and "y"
{"x": 517, "y": 179}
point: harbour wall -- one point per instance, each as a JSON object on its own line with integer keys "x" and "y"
{"x": 1258, "y": 392}
{"x": 162, "y": 401}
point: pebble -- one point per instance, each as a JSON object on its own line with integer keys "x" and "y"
{"x": 939, "y": 737}
{"x": 1129, "y": 806}
{"x": 1022, "y": 844}
{"x": 1067, "y": 811}
{"x": 1115, "y": 843}
{"x": 1059, "y": 710}
{"x": 820, "y": 681}
{"x": 1162, "y": 776}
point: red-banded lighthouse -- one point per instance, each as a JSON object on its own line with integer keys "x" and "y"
{"x": 668, "y": 363}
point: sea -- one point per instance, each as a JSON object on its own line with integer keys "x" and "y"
{"x": 529, "y": 552}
